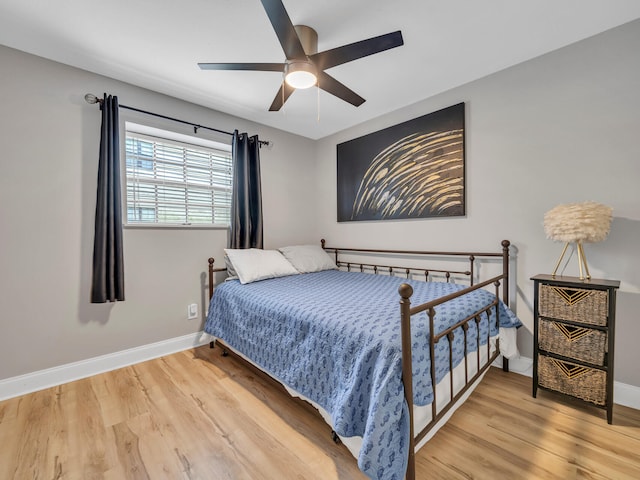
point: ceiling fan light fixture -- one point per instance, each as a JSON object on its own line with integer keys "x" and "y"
{"x": 300, "y": 74}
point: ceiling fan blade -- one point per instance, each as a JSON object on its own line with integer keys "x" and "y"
{"x": 283, "y": 94}
{"x": 353, "y": 51}
{"x": 262, "y": 67}
{"x": 329, "y": 84}
{"x": 284, "y": 29}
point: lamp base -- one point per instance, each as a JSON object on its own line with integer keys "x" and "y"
{"x": 582, "y": 261}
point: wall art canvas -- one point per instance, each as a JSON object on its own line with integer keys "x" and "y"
{"x": 411, "y": 170}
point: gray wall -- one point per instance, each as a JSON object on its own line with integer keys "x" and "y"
{"x": 48, "y": 167}
{"x": 560, "y": 128}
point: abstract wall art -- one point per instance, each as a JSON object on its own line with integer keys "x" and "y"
{"x": 415, "y": 169}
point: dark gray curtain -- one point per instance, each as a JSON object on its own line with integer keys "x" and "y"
{"x": 108, "y": 267}
{"x": 246, "y": 198}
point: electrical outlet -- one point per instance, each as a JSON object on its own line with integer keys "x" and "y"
{"x": 192, "y": 311}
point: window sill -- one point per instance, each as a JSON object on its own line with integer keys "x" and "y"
{"x": 170, "y": 226}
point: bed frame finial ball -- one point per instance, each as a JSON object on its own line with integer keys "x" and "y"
{"x": 405, "y": 290}
{"x": 322, "y": 242}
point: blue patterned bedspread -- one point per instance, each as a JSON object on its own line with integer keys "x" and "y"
{"x": 319, "y": 335}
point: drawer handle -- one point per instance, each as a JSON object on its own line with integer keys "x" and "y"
{"x": 572, "y": 333}
{"x": 571, "y": 371}
{"x": 571, "y": 297}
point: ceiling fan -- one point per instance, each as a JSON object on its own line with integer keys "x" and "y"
{"x": 304, "y": 66}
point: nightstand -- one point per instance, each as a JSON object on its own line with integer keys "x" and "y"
{"x": 574, "y": 338}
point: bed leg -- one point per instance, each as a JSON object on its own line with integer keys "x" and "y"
{"x": 212, "y": 344}
{"x": 335, "y": 437}
{"x": 505, "y": 364}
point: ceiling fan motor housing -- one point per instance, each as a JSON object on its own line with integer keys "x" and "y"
{"x": 308, "y": 38}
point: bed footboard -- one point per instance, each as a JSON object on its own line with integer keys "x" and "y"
{"x": 407, "y": 311}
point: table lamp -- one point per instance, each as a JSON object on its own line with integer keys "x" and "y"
{"x": 586, "y": 222}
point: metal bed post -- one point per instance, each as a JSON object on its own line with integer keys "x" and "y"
{"x": 211, "y": 260}
{"x": 405, "y": 290}
{"x": 505, "y": 290}
{"x": 505, "y": 271}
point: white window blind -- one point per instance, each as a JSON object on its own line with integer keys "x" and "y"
{"x": 174, "y": 182}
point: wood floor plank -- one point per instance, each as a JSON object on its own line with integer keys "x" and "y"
{"x": 8, "y": 427}
{"x": 197, "y": 415}
{"x": 191, "y": 437}
{"x": 280, "y": 445}
{"x": 61, "y": 417}
{"x": 245, "y": 450}
{"x": 479, "y": 460}
{"x": 505, "y": 447}
{"x": 560, "y": 440}
{"x": 125, "y": 387}
{"x": 88, "y": 447}
{"x": 128, "y": 446}
{"x": 590, "y": 445}
{"x": 23, "y": 444}
{"x": 158, "y": 457}
{"x": 300, "y": 421}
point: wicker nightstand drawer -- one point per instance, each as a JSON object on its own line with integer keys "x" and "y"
{"x": 575, "y": 304}
{"x": 580, "y": 343}
{"x": 578, "y": 381}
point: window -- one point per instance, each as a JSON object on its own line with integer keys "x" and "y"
{"x": 175, "y": 179}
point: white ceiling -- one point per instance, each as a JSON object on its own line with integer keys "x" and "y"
{"x": 157, "y": 45}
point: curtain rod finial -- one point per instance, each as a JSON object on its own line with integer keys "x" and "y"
{"x": 91, "y": 98}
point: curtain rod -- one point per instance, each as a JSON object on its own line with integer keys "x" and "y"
{"x": 91, "y": 98}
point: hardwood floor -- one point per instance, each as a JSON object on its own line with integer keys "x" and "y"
{"x": 198, "y": 415}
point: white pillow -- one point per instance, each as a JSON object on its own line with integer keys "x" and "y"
{"x": 255, "y": 264}
{"x": 231, "y": 272}
{"x": 308, "y": 258}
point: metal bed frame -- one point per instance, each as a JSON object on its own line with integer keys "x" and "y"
{"x": 407, "y": 311}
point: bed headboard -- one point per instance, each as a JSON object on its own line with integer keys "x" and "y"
{"x": 425, "y": 273}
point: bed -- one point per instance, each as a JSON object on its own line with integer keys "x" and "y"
{"x": 345, "y": 338}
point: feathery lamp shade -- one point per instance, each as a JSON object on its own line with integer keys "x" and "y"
{"x": 577, "y": 223}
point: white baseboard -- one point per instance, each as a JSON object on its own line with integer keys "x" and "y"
{"x": 623, "y": 394}
{"x": 50, "y": 377}
{"x": 627, "y": 395}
